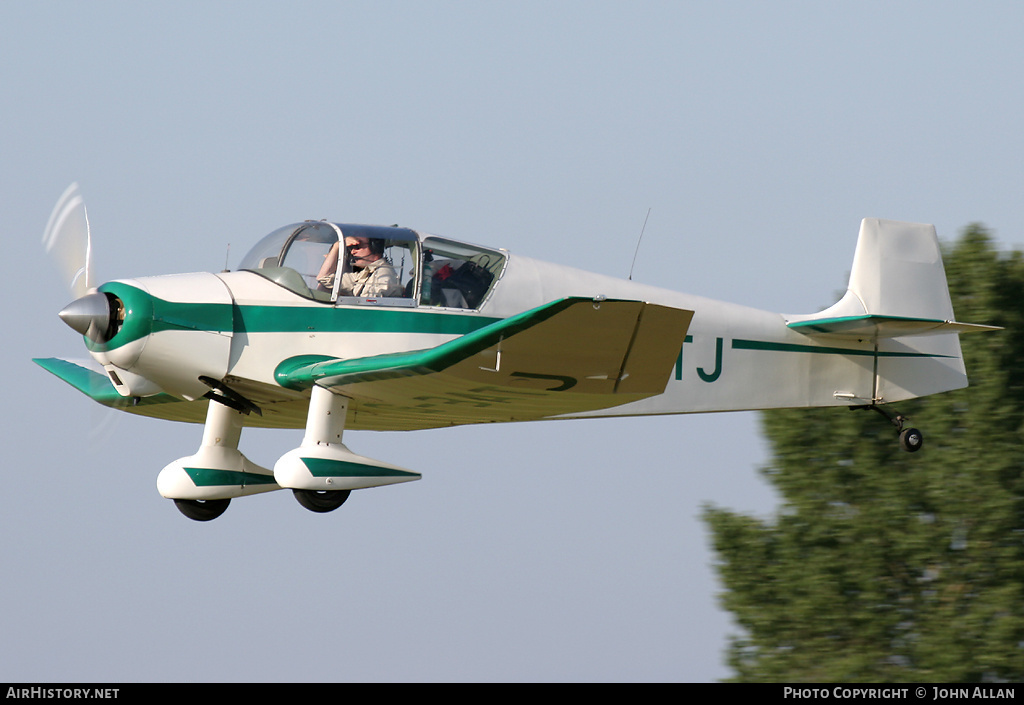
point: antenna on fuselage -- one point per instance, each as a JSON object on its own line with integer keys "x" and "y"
{"x": 638, "y": 244}
{"x": 226, "y": 256}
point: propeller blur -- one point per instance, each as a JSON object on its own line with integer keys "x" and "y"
{"x": 67, "y": 241}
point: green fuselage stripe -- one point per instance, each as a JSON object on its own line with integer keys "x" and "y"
{"x": 285, "y": 319}
{"x": 763, "y": 345}
{"x": 148, "y": 314}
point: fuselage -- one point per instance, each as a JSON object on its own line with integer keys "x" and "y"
{"x": 329, "y": 327}
{"x": 182, "y": 333}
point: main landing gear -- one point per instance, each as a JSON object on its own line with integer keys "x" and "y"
{"x": 321, "y": 472}
{"x": 321, "y": 501}
{"x": 911, "y": 438}
{"x": 315, "y": 501}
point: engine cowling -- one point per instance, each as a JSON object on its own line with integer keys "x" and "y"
{"x": 158, "y": 334}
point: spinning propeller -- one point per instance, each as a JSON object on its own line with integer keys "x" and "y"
{"x": 67, "y": 240}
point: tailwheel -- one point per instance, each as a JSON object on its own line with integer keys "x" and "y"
{"x": 911, "y": 440}
{"x": 202, "y": 509}
{"x": 321, "y": 501}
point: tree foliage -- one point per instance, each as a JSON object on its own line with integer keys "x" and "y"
{"x": 883, "y": 565}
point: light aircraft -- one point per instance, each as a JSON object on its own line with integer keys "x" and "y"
{"x": 456, "y": 333}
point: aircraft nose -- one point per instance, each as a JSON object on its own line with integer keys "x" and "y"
{"x": 94, "y": 315}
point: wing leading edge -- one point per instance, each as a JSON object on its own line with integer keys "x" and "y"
{"x": 575, "y": 354}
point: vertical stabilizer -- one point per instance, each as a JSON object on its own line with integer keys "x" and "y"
{"x": 897, "y": 271}
{"x": 898, "y": 299}
{"x": 897, "y": 288}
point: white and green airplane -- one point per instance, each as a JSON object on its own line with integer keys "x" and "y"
{"x": 330, "y": 326}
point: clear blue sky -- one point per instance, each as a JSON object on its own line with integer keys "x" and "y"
{"x": 759, "y": 134}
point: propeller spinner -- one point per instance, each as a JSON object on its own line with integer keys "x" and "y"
{"x": 97, "y": 316}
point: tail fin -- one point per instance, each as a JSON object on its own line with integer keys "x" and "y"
{"x": 898, "y": 298}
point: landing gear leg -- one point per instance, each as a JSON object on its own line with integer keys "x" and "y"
{"x": 322, "y": 471}
{"x": 911, "y": 439}
{"x": 324, "y": 427}
{"x": 203, "y": 484}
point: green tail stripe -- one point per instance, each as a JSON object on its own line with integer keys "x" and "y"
{"x": 820, "y": 349}
{"x": 323, "y": 467}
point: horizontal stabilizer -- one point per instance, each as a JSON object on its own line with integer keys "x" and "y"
{"x": 878, "y": 327}
{"x": 897, "y": 288}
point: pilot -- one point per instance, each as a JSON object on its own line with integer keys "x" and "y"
{"x": 371, "y": 275}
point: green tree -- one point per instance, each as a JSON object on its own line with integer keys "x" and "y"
{"x": 889, "y": 566}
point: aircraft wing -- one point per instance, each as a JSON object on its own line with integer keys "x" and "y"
{"x": 282, "y": 408}
{"x": 571, "y": 355}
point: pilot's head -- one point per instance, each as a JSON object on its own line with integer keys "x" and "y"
{"x": 363, "y": 251}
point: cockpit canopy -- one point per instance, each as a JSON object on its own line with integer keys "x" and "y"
{"x": 371, "y": 264}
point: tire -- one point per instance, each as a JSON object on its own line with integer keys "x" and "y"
{"x": 911, "y": 440}
{"x": 321, "y": 501}
{"x": 202, "y": 509}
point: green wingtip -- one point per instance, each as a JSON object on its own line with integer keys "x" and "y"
{"x": 89, "y": 382}
{"x": 95, "y": 385}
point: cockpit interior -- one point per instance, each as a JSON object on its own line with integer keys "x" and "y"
{"x": 346, "y": 264}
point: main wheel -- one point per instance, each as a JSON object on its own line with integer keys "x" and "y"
{"x": 321, "y": 500}
{"x": 202, "y": 509}
{"x": 911, "y": 440}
